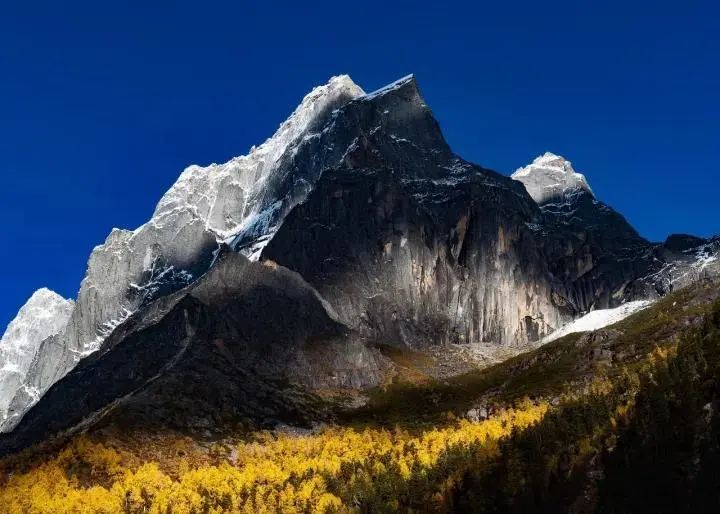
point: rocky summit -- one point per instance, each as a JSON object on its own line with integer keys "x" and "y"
{"x": 262, "y": 285}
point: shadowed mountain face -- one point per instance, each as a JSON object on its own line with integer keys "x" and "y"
{"x": 234, "y": 346}
{"x": 594, "y": 253}
{"x": 354, "y": 225}
{"x": 413, "y": 245}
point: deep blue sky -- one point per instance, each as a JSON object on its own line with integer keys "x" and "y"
{"x": 101, "y": 107}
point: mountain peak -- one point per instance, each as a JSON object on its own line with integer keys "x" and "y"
{"x": 342, "y": 80}
{"x": 551, "y": 177}
{"x": 45, "y": 314}
{"x": 45, "y": 294}
{"x": 41, "y": 306}
{"x": 212, "y": 192}
{"x": 551, "y": 160}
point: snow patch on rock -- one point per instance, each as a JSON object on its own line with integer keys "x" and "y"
{"x": 595, "y": 320}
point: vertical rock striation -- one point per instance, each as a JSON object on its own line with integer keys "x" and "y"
{"x": 411, "y": 244}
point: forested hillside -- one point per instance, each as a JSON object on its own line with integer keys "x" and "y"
{"x": 621, "y": 420}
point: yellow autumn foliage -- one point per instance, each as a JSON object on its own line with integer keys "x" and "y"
{"x": 336, "y": 470}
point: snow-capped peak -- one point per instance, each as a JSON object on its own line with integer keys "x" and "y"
{"x": 550, "y": 177}
{"x": 219, "y": 194}
{"x": 45, "y": 314}
{"x": 553, "y": 161}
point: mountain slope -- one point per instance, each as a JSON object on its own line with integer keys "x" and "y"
{"x": 232, "y": 346}
{"x": 608, "y": 409}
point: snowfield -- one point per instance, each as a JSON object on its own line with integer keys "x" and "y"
{"x": 594, "y": 320}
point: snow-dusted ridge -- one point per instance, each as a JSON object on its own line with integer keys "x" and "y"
{"x": 389, "y": 87}
{"x": 551, "y": 178}
{"x": 226, "y": 197}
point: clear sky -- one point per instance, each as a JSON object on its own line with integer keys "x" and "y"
{"x": 102, "y": 104}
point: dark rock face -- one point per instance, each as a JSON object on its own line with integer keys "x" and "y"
{"x": 602, "y": 261}
{"x": 594, "y": 253}
{"x": 244, "y": 342}
{"x": 685, "y": 260}
{"x": 410, "y": 271}
{"x": 413, "y": 245}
